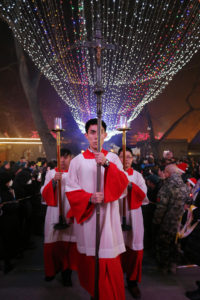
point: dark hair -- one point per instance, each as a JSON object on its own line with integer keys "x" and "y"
{"x": 94, "y": 122}
{"x": 43, "y": 161}
{"x": 31, "y": 163}
{"x": 65, "y": 152}
{"x": 127, "y": 149}
{"x": 51, "y": 164}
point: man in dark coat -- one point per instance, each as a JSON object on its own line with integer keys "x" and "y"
{"x": 172, "y": 197}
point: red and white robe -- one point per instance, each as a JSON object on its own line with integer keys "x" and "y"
{"x": 132, "y": 258}
{"x": 80, "y": 187}
{"x": 60, "y": 251}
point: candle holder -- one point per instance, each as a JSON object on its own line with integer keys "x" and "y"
{"x": 58, "y": 129}
{"x": 124, "y": 127}
{"x": 57, "y": 125}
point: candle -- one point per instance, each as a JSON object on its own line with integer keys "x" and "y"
{"x": 57, "y": 123}
{"x": 123, "y": 122}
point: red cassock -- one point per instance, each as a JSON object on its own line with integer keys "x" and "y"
{"x": 60, "y": 252}
{"x": 132, "y": 258}
{"x": 80, "y": 186}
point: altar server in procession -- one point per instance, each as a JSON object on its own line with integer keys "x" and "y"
{"x": 59, "y": 245}
{"x": 82, "y": 195}
{"x": 132, "y": 258}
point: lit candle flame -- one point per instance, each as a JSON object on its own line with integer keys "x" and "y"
{"x": 57, "y": 123}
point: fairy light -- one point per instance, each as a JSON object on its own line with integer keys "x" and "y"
{"x": 19, "y": 141}
{"x": 154, "y": 41}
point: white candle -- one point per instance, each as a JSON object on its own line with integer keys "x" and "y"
{"x": 123, "y": 122}
{"x": 57, "y": 123}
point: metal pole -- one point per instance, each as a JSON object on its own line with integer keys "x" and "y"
{"x": 125, "y": 227}
{"x": 61, "y": 222}
{"x": 98, "y": 91}
{"x": 58, "y": 165}
{"x": 99, "y": 114}
{"x": 124, "y": 166}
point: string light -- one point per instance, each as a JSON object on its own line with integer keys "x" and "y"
{"x": 20, "y": 141}
{"x": 154, "y": 40}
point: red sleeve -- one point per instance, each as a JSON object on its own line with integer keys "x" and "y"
{"x": 50, "y": 195}
{"x": 115, "y": 182}
{"x": 135, "y": 196}
{"x": 80, "y": 209}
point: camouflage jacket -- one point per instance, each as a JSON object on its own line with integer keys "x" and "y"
{"x": 172, "y": 197}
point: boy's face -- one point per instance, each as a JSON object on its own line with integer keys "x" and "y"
{"x": 128, "y": 159}
{"x": 92, "y": 137}
{"x": 65, "y": 162}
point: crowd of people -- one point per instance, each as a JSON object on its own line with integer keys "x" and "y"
{"x": 21, "y": 212}
{"x": 149, "y": 203}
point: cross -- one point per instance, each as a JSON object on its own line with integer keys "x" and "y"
{"x": 98, "y": 44}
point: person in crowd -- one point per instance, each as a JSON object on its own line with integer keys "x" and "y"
{"x": 36, "y": 177}
{"x": 31, "y": 165}
{"x": 24, "y": 191}
{"x": 23, "y": 161}
{"x": 161, "y": 172}
{"x": 59, "y": 245}
{"x": 168, "y": 157}
{"x": 190, "y": 243}
{"x": 191, "y": 182}
{"x": 132, "y": 258}
{"x": 154, "y": 184}
{"x": 172, "y": 197}
{"x": 183, "y": 168}
{"x": 5, "y": 167}
{"x": 83, "y": 196}
{"x": 9, "y": 221}
{"x": 196, "y": 193}
{"x": 43, "y": 170}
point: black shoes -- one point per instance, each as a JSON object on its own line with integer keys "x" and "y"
{"x": 66, "y": 277}
{"x": 133, "y": 289}
{"x": 135, "y": 292}
{"x": 49, "y": 278}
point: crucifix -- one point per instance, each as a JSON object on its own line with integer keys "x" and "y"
{"x": 98, "y": 45}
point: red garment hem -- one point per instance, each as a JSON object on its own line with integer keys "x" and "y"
{"x": 111, "y": 281}
{"x": 59, "y": 256}
{"x": 132, "y": 264}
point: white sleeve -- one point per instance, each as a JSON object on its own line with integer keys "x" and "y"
{"x": 48, "y": 177}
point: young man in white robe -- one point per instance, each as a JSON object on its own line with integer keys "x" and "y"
{"x": 82, "y": 195}
{"x": 132, "y": 258}
{"x": 59, "y": 245}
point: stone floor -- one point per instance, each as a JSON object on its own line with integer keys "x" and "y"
{"x": 26, "y": 281}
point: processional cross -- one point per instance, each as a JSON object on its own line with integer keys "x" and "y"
{"x": 98, "y": 45}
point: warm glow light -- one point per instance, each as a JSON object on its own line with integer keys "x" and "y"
{"x": 57, "y": 123}
{"x": 25, "y": 143}
{"x": 21, "y": 139}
